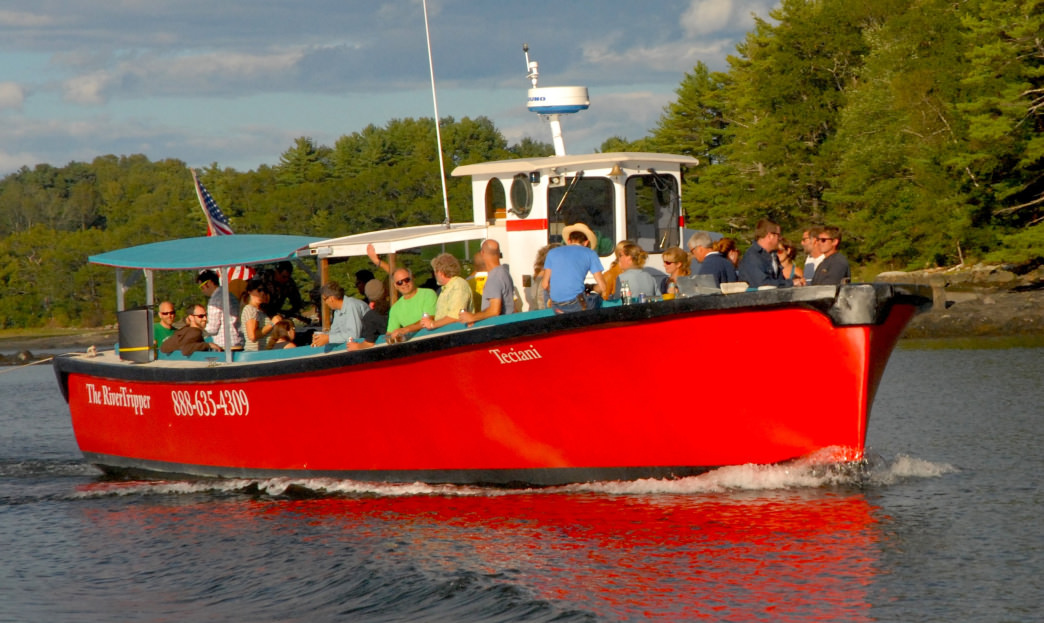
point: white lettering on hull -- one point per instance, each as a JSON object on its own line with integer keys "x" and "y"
{"x": 515, "y": 356}
{"x": 121, "y": 396}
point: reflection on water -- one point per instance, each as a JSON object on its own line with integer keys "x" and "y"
{"x": 609, "y": 551}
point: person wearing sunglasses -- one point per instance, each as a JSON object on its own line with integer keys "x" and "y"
{"x": 208, "y": 281}
{"x": 165, "y": 327}
{"x": 191, "y": 337}
{"x": 833, "y": 270}
{"x": 406, "y": 314}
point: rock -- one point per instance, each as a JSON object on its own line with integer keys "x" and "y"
{"x": 24, "y": 356}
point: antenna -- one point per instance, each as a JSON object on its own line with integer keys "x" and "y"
{"x": 438, "y": 131}
{"x": 552, "y": 102}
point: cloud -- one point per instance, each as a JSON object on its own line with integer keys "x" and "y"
{"x": 12, "y": 96}
{"x": 705, "y": 17}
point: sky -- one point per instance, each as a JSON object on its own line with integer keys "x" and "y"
{"x": 235, "y": 82}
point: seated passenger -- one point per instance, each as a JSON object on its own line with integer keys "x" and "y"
{"x": 346, "y": 325}
{"x": 165, "y": 327}
{"x": 455, "y": 295}
{"x": 709, "y": 261}
{"x": 537, "y": 296}
{"x": 566, "y": 269}
{"x": 282, "y": 335}
{"x": 676, "y": 263}
{"x": 727, "y": 248}
{"x": 190, "y": 338}
{"x": 498, "y": 291}
{"x": 253, "y": 319}
{"x": 632, "y": 261}
{"x": 613, "y": 271}
{"x": 405, "y": 315}
{"x": 375, "y": 322}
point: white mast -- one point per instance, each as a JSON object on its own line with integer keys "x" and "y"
{"x": 438, "y": 131}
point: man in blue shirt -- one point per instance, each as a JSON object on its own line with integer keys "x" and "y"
{"x": 347, "y": 316}
{"x": 566, "y": 268}
{"x": 760, "y": 264}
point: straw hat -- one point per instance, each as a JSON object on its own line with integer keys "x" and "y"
{"x": 592, "y": 240}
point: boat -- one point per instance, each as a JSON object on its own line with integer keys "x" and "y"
{"x": 528, "y": 399}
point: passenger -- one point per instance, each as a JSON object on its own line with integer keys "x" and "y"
{"x": 375, "y": 322}
{"x": 363, "y": 277}
{"x": 613, "y": 271}
{"x": 498, "y": 293}
{"x": 699, "y": 246}
{"x": 281, "y": 288}
{"x": 191, "y": 337}
{"x": 208, "y": 284}
{"x": 632, "y": 261}
{"x": 537, "y": 296}
{"x": 714, "y": 263}
{"x": 256, "y": 324}
{"x": 787, "y": 264}
{"x": 760, "y": 264}
{"x": 676, "y": 263}
{"x": 348, "y": 312}
{"x": 812, "y": 255}
{"x": 727, "y": 248}
{"x": 455, "y": 295}
{"x": 833, "y": 270}
{"x": 282, "y": 335}
{"x": 406, "y": 314}
{"x": 371, "y": 252}
{"x": 165, "y": 327}
{"x": 566, "y": 268}
{"x": 477, "y": 279}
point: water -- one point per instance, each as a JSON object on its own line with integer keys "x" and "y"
{"x": 946, "y": 525}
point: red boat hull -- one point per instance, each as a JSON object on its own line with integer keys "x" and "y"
{"x": 628, "y": 395}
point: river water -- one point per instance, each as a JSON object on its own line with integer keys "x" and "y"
{"x": 945, "y": 526}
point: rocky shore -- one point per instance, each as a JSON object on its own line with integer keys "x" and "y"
{"x": 970, "y": 302}
{"x": 979, "y": 301}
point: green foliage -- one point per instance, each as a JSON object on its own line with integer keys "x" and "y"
{"x": 915, "y": 125}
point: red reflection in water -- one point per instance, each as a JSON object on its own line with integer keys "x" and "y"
{"x": 759, "y": 556}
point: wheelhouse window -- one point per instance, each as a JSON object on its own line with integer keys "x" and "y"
{"x": 496, "y": 202}
{"x": 653, "y": 215}
{"x": 584, "y": 200}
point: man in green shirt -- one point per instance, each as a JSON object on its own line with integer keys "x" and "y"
{"x": 165, "y": 327}
{"x": 407, "y": 313}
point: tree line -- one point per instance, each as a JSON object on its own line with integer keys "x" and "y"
{"x": 914, "y": 125}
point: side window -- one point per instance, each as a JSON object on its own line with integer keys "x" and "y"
{"x": 653, "y": 212}
{"x": 588, "y": 201}
{"x": 521, "y": 195}
{"x": 496, "y": 202}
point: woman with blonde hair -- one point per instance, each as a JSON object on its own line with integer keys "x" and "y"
{"x": 614, "y": 270}
{"x": 675, "y": 264}
{"x": 632, "y": 261}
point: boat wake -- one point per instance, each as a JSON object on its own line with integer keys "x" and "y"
{"x": 804, "y": 474}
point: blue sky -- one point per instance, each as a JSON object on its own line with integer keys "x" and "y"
{"x": 235, "y": 81}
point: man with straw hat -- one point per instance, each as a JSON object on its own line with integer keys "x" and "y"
{"x": 566, "y": 269}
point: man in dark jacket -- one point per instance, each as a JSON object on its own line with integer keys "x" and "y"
{"x": 189, "y": 338}
{"x": 760, "y": 265}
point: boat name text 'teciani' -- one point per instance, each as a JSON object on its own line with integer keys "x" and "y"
{"x": 515, "y": 356}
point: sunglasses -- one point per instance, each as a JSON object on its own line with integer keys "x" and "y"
{"x": 666, "y": 262}
{"x": 404, "y": 281}
{"x": 200, "y": 315}
{"x": 166, "y": 313}
{"x": 824, "y": 239}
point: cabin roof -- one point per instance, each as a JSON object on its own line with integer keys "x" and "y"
{"x": 633, "y": 159}
{"x": 205, "y": 252}
{"x": 395, "y": 240}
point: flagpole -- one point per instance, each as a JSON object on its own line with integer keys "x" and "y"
{"x": 438, "y": 132}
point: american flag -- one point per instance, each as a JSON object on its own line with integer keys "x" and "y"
{"x": 217, "y": 224}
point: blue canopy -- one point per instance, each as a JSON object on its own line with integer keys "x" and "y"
{"x": 206, "y": 252}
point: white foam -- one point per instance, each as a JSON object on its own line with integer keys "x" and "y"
{"x": 808, "y": 473}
